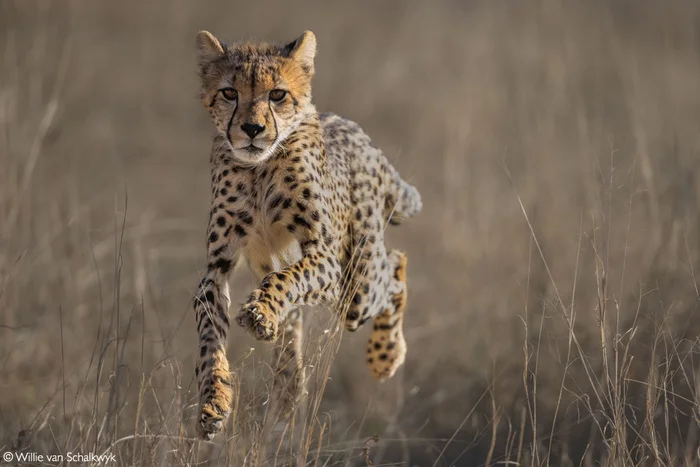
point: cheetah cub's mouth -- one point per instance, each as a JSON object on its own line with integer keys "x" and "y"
{"x": 252, "y": 149}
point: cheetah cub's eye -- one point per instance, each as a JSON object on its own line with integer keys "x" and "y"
{"x": 277, "y": 95}
{"x": 229, "y": 94}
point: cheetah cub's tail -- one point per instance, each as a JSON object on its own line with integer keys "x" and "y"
{"x": 402, "y": 199}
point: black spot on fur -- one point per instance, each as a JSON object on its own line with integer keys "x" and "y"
{"x": 223, "y": 265}
{"x": 298, "y": 219}
{"x": 276, "y": 201}
{"x": 245, "y": 217}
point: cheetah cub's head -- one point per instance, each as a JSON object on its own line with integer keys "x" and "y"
{"x": 257, "y": 93}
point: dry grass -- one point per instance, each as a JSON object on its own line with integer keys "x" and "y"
{"x": 553, "y": 305}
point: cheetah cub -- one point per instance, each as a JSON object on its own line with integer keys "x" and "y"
{"x": 303, "y": 198}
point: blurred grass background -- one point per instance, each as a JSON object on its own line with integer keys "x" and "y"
{"x": 553, "y": 300}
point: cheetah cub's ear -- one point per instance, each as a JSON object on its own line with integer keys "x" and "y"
{"x": 208, "y": 47}
{"x": 303, "y": 50}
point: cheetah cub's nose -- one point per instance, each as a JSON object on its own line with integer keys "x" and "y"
{"x": 252, "y": 129}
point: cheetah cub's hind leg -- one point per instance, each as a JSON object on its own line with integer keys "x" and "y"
{"x": 289, "y": 384}
{"x": 386, "y": 350}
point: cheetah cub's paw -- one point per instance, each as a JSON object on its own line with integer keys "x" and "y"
{"x": 258, "y": 318}
{"x": 386, "y": 350}
{"x": 215, "y": 409}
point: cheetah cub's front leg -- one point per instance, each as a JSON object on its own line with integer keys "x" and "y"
{"x": 311, "y": 281}
{"x": 386, "y": 350}
{"x": 211, "y": 306}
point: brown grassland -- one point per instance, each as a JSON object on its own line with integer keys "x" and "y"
{"x": 553, "y": 293}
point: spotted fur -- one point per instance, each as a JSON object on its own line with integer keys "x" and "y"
{"x": 303, "y": 199}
